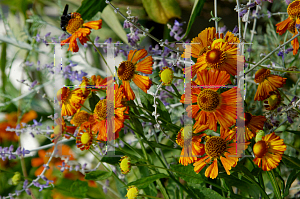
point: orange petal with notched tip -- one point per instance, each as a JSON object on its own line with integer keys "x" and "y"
{"x": 142, "y": 82}
{"x": 283, "y": 26}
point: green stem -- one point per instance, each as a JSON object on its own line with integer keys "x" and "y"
{"x": 94, "y": 153}
{"x": 257, "y": 184}
{"x": 268, "y": 55}
{"x": 167, "y": 91}
{"x": 274, "y": 184}
{"x": 133, "y": 149}
{"x": 101, "y": 55}
{"x": 284, "y": 71}
{"x": 281, "y": 92}
{"x": 289, "y": 159}
{"x": 162, "y": 189}
{"x": 148, "y": 196}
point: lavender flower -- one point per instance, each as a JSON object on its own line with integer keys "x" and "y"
{"x": 235, "y": 30}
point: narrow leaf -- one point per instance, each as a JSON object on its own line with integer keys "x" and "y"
{"x": 161, "y": 11}
{"x": 146, "y": 181}
{"x": 98, "y": 175}
{"x": 292, "y": 177}
{"x": 197, "y": 8}
{"x": 89, "y": 8}
{"x": 110, "y": 18}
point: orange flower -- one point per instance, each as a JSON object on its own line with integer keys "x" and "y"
{"x": 267, "y": 83}
{"x": 290, "y": 23}
{"x": 104, "y": 112}
{"x": 268, "y": 151}
{"x": 70, "y": 100}
{"x": 212, "y": 106}
{"x": 11, "y": 120}
{"x": 214, "y": 51}
{"x": 128, "y": 71}
{"x": 218, "y": 147}
{"x": 79, "y": 30}
{"x": 252, "y": 124}
{"x": 43, "y": 158}
{"x": 84, "y": 137}
{"x": 196, "y": 146}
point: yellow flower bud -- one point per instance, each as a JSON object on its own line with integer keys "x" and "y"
{"x": 132, "y": 192}
{"x": 16, "y": 178}
{"x": 125, "y": 165}
{"x": 166, "y": 76}
{"x": 259, "y": 135}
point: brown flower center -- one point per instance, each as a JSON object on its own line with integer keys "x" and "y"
{"x": 261, "y": 75}
{"x": 215, "y": 58}
{"x": 215, "y": 146}
{"x": 260, "y": 149}
{"x": 126, "y": 70}
{"x": 248, "y": 118}
{"x": 80, "y": 117}
{"x": 74, "y": 23}
{"x": 208, "y": 100}
{"x": 294, "y": 9}
{"x": 102, "y": 110}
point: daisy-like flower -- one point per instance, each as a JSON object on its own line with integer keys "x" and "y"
{"x": 221, "y": 147}
{"x": 267, "y": 83}
{"x": 84, "y": 137}
{"x": 290, "y": 23}
{"x": 70, "y": 100}
{"x": 127, "y": 71}
{"x": 105, "y": 110}
{"x": 252, "y": 124}
{"x": 214, "y": 51}
{"x": 79, "y": 30}
{"x": 187, "y": 156}
{"x": 211, "y": 105}
{"x": 273, "y": 101}
{"x": 268, "y": 152}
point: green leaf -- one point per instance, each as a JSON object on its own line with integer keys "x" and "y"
{"x": 244, "y": 185}
{"x": 150, "y": 190}
{"x": 162, "y": 111}
{"x": 291, "y": 162}
{"x": 207, "y": 193}
{"x": 295, "y": 132}
{"x": 136, "y": 124}
{"x": 188, "y": 174}
{"x": 110, "y": 18}
{"x": 176, "y": 91}
{"x": 89, "y": 8}
{"x": 93, "y": 100}
{"x": 161, "y": 11}
{"x": 197, "y": 8}
{"x": 113, "y": 160}
{"x": 146, "y": 181}
{"x": 289, "y": 181}
{"x": 162, "y": 146}
{"x": 79, "y": 188}
{"x": 98, "y": 175}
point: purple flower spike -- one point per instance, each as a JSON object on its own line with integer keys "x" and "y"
{"x": 235, "y": 30}
{"x": 28, "y": 192}
{"x": 290, "y": 120}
